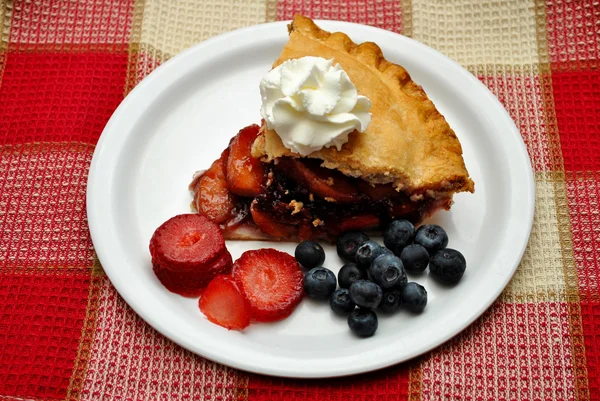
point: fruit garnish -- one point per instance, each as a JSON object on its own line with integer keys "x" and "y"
{"x": 365, "y": 294}
{"x": 363, "y": 322}
{"x": 448, "y": 265}
{"x": 350, "y": 273}
{"x": 387, "y": 271}
{"x": 245, "y": 174}
{"x": 269, "y": 226}
{"x": 348, "y": 243}
{"x": 191, "y": 282}
{"x": 391, "y": 301}
{"x": 413, "y": 296}
{"x": 272, "y": 282}
{"x": 361, "y": 222}
{"x": 340, "y": 302}
{"x": 432, "y": 237}
{"x": 188, "y": 251}
{"x": 309, "y": 254}
{"x": 319, "y": 283}
{"x": 224, "y": 303}
{"x": 367, "y": 252}
{"x": 324, "y": 182}
{"x": 415, "y": 258}
{"x": 398, "y": 234}
{"x": 186, "y": 241}
{"x": 213, "y": 199}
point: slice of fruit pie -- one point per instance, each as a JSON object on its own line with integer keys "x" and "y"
{"x": 348, "y": 142}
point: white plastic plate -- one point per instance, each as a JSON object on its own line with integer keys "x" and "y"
{"x": 180, "y": 118}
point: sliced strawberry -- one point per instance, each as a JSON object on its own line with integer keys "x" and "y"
{"x": 187, "y": 241}
{"x": 191, "y": 282}
{"x": 268, "y": 226}
{"x": 377, "y": 191}
{"x": 321, "y": 181}
{"x": 225, "y": 304}
{"x": 272, "y": 281}
{"x": 213, "y": 198}
{"x": 245, "y": 174}
{"x": 358, "y": 223}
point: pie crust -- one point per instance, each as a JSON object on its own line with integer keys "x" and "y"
{"x": 408, "y": 142}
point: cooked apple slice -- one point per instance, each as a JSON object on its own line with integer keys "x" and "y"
{"x": 213, "y": 198}
{"x": 245, "y": 174}
{"x": 326, "y": 183}
{"x": 377, "y": 192}
{"x": 267, "y": 225}
{"x": 359, "y": 223}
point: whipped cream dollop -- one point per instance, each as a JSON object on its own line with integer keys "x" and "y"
{"x": 311, "y": 103}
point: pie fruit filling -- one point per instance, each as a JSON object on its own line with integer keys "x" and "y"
{"x": 348, "y": 143}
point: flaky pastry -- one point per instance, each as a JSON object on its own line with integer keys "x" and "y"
{"x": 408, "y": 142}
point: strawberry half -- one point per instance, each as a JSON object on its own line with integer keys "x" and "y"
{"x": 272, "y": 281}
{"x": 213, "y": 198}
{"x": 245, "y": 174}
{"x": 225, "y": 304}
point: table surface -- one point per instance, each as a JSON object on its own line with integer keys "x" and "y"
{"x": 65, "y": 333}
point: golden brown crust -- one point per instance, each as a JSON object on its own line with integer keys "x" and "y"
{"x": 408, "y": 142}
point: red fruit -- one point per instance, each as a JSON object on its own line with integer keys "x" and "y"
{"x": 191, "y": 283}
{"x": 187, "y": 241}
{"x": 245, "y": 174}
{"x": 305, "y": 232}
{"x": 321, "y": 181}
{"x": 187, "y": 252}
{"x": 377, "y": 191}
{"x": 402, "y": 206}
{"x": 272, "y": 281}
{"x": 268, "y": 226}
{"x": 213, "y": 199}
{"x": 225, "y": 304}
{"x": 361, "y": 222}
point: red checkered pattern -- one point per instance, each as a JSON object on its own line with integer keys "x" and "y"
{"x": 384, "y": 14}
{"x": 65, "y": 333}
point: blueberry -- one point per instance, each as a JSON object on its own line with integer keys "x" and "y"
{"x": 448, "y": 266}
{"x": 340, "y": 302}
{"x": 367, "y": 252}
{"x": 310, "y": 254}
{"x": 387, "y": 271}
{"x": 390, "y": 301}
{"x": 350, "y": 273}
{"x": 348, "y": 243}
{"x": 415, "y": 258}
{"x": 366, "y": 294}
{"x": 363, "y": 322}
{"x": 319, "y": 283}
{"x": 398, "y": 234}
{"x": 413, "y": 296}
{"x": 432, "y": 237}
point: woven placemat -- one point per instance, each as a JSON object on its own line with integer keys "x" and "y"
{"x": 65, "y": 333}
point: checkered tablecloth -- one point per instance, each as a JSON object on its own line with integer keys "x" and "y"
{"x": 65, "y": 333}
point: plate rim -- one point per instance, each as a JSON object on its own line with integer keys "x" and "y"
{"x": 95, "y": 219}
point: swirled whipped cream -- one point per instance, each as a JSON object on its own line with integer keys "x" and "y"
{"x": 311, "y": 103}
